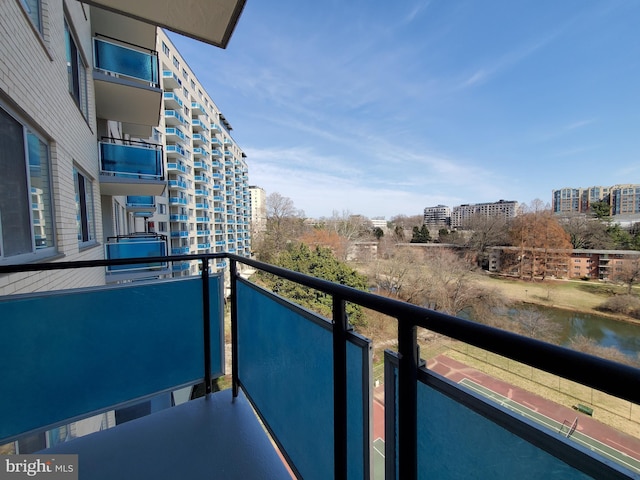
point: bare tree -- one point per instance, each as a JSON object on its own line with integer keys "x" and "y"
{"x": 535, "y": 324}
{"x": 628, "y": 272}
{"x": 486, "y": 231}
{"x": 543, "y": 243}
{"x": 284, "y": 224}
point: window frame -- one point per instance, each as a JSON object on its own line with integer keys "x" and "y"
{"x": 36, "y": 253}
{"x": 77, "y": 70}
{"x": 83, "y": 186}
{"x": 34, "y": 17}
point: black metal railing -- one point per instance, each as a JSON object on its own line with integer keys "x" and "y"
{"x": 610, "y": 377}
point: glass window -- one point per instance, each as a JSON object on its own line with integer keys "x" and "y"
{"x": 165, "y": 49}
{"x": 76, "y": 71}
{"x": 176, "y": 62}
{"x": 84, "y": 207}
{"x": 162, "y": 208}
{"x": 34, "y": 11}
{"x": 26, "y": 214}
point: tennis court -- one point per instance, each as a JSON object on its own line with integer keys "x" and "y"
{"x": 568, "y": 429}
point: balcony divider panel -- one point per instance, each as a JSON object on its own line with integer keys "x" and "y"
{"x": 461, "y": 435}
{"x": 285, "y": 366}
{"x": 71, "y": 353}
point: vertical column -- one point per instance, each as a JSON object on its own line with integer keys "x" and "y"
{"x": 339, "y": 388}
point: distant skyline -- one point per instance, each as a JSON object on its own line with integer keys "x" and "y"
{"x": 385, "y": 108}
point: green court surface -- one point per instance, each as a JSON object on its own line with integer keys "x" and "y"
{"x": 378, "y": 459}
{"x": 567, "y": 430}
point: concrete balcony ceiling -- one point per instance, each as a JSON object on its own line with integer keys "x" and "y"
{"x": 210, "y": 21}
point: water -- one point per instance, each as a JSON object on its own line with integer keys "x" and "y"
{"x": 605, "y": 331}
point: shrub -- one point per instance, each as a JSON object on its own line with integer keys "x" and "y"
{"x": 625, "y": 304}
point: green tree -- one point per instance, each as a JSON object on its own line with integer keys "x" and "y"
{"x": 601, "y": 209}
{"x": 378, "y": 233}
{"x": 421, "y": 235}
{"x": 318, "y": 262}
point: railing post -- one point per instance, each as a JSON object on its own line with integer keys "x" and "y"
{"x": 206, "y": 325}
{"x": 234, "y": 327}
{"x": 340, "y": 328}
{"x": 407, "y": 453}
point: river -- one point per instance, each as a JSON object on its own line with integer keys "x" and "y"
{"x": 605, "y": 331}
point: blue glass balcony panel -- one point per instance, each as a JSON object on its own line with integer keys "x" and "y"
{"x": 135, "y": 247}
{"x": 269, "y": 327}
{"x": 107, "y": 354}
{"x": 455, "y": 439}
{"x": 131, "y": 160}
{"x": 178, "y": 217}
{"x": 146, "y": 201}
{"x": 125, "y": 61}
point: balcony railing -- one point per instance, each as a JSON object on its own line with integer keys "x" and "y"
{"x": 126, "y": 60}
{"x": 308, "y": 379}
{"x": 126, "y": 158}
{"x": 136, "y": 245}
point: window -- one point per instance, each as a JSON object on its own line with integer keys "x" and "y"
{"x": 193, "y": 85}
{"x": 34, "y": 11}
{"x": 84, "y": 208}
{"x": 162, "y": 208}
{"x": 165, "y": 49}
{"x": 76, "y": 71}
{"x": 176, "y": 62}
{"x": 26, "y": 215}
{"x": 185, "y": 75}
{"x": 162, "y": 226}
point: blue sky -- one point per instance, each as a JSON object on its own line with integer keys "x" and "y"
{"x": 381, "y": 108}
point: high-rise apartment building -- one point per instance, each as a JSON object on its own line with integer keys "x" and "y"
{"x": 207, "y": 206}
{"x": 622, "y": 199}
{"x": 438, "y": 216}
{"x": 111, "y": 148}
{"x": 501, "y": 208}
{"x": 258, "y": 208}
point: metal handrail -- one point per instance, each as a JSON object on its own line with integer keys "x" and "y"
{"x": 613, "y": 378}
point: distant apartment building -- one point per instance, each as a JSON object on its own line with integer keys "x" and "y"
{"x": 622, "y": 199}
{"x": 438, "y": 216}
{"x": 379, "y": 222}
{"x": 501, "y": 208}
{"x": 258, "y": 208}
{"x": 577, "y": 263}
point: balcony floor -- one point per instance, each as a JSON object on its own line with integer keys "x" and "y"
{"x": 210, "y": 437}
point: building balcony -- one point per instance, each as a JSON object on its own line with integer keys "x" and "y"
{"x": 203, "y": 219}
{"x": 204, "y": 246}
{"x": 176, "y": 168}
{"x": 175, "y": 151}
{"x": 170, "y": 80}
{"x": 178, "y": 218}
{"x": 200, "y": 139}
{"x": 200, "y": 165}
{"x": 126, "y": 82}
{"x": 200, "y": 152}
{"x": 201, "y": 179}
{"x": 172, "y": 101}
{"x": 179, "y": 251}
{"x": 177, "y": 201}
{"x": 300, "y": 381}
{"x": 180, "y": 266}
{"x": 202, "y": 205}
{"x": 215, "y": 128}
{"x": 135, "y": 246}
{"x": 197, "y": 108}
{"x": 174, "y": 118}
{"x": 203, "y": 233}
{"x": 130, "y": 168}
{"x": 179, "y": 234}
{"x": 174, "y": 134}
{"x": 198, "y": 125}
{"x": 177, "y": 185}
{"x": 141, "y": 203}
